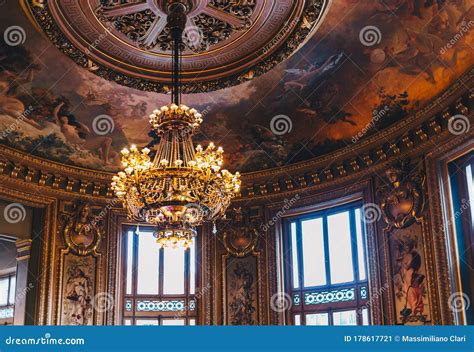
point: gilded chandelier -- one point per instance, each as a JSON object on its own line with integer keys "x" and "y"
{"x": 183, "y": 186}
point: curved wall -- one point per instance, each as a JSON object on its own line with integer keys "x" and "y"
{"x": 356, "y": 172}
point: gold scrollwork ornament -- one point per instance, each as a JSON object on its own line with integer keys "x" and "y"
{"x": 81, "y": 231}
{"x": 402, "y": 200}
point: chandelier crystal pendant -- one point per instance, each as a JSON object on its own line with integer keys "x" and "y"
{"x": 183, "y": 186}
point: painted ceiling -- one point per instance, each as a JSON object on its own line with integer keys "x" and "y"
{"x": 370, "y": 64}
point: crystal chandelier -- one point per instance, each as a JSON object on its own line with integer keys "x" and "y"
{"x": 182, "y": 187}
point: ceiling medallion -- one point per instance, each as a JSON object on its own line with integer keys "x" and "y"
{"x": 182, "y": 187}
{"x": 226, "y": 42}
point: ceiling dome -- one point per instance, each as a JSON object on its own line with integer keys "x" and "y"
{"x": 227, "y": 41}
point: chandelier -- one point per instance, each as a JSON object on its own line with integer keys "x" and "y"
{"x": 181, "y": 187}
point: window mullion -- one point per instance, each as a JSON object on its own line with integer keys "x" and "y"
{"x": 161, "y": 261}
{"x": 187, "y": 270}
{"x": 354, "y": 245}
{"x": 299, "y": 251}
{"x": 326, "y": 250}
{"x": 9, "y": 288}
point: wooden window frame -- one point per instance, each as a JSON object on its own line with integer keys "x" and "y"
{"x": 130, "y": 312}
{"x": 302, "y": 309}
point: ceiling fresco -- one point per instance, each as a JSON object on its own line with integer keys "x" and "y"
{"x": 369, "y": 65}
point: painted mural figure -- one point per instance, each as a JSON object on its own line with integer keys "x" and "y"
{"x": 78, "y": 293}
{"x": 78, "y": 134}
{"x": 241, "y": 306}
{"x": 412, "y": 281}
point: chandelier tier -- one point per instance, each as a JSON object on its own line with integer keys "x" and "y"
{"x": 183, "y": 186}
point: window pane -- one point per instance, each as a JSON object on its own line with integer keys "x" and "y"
{"x": 294, "y": 256}
{"x": 144, "y": 322}
{"x": 127, "y": 322}
{"x": 4, "y": 291}
{"x": 340, "y": 248}
{"x": 173, "y": 271}
{"x": 313, "y": 252}
{"x": 148, "y": 255}
{"x": 297, "y": 319}
{"x": 348, "y": 317}
{"x": 12, "y": 290}
{"x": 360, "y": 245}
{"x": 470, "y": 188}
{"x": 169, "y": 322}
{"x": 192, "y": 268}
{"x": 317, "y": 319}
{"x": 192, "y": 322}
{"x": 129, "y": 262}
{"x": 365, "y": 316}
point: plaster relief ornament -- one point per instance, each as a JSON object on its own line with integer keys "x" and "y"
{"x": 402, "y": 200}
{"x": 81, "y": 231}
{"x": 240, "y": 237}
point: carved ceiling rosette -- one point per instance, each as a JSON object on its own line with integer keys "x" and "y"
{"x": 402, "y": 197}
{"x": 227, "y": 41}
